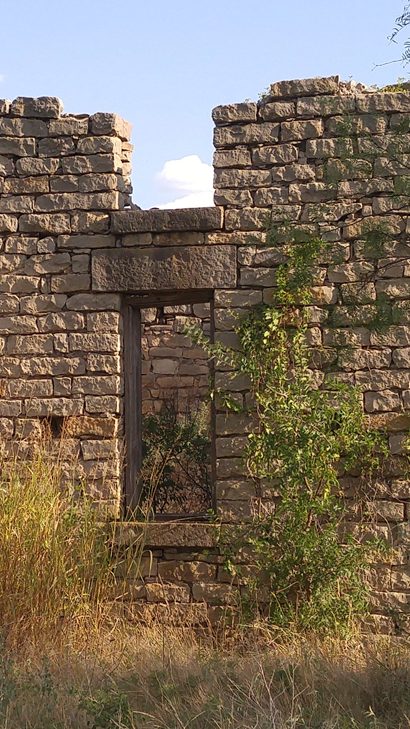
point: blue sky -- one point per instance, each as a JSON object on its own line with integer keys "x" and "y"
{"x": 164, "y": 64}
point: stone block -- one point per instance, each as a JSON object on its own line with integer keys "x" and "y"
{"x": 44, "y": 107}
{"x": 325, "y": 148}
{"x": 234, "y": 113}
{"x": 234, "y": 197}
{"x": 241, "y": 178}
{"x": 384, "y": 401}
{"x": 97, "y": 385}
{"x": 215, "y": 593}
{"x": 298, "y": 130}
{"x": 279, "y": 154}
{"x": 383, "y": 102}
{"x": 55, "y": 147}
{"x": 194, "y": 571}
{"x": 70, "y": 282}
{"x": 68, "y": 127}
{"x": 87, "y": 425}
{"x": 94, "y": 163}
{"x": 55, "y": 223}
{"x": 29, "y": 166}
{"x": 26, "y": 186}
{"x": 94, "y": 302}
{"x": 325, "y": 106}
{"x": 239, "y": 157}
{"x": 140, "y": 221}
{"x": 96, "y": 404}
{"x": 110, "y": 124}
{"x": 8, "y": 223}
{"x": 94, "y": 342}
{"x": 277, "y": 110}
{"x": 63, "y": 406}
{"x": 99, "y": 145}
{"x": 263, "y": 133}
{"x": 23, "y": 128}
{"x": 127, "y": 270}
{"x": 19, "y": 147}
{"x": 78, "y": 201}
{"x": 303, "y": 87}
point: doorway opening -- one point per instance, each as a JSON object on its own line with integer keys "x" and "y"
{"x": 168, "y": 406}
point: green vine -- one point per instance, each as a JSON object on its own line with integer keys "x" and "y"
{"x": 303, "y": 574}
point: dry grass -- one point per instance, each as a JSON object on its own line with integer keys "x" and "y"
{"x": 63, "y": 665}
{"x": 159, "y": 679}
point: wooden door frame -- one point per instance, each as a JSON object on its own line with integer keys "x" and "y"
{"x": 131, "y": 314}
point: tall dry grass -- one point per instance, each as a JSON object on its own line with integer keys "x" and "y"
{"x": 57, "y": 562}
{"x": 164, "y": 679}
{"x": 65, "y": 665}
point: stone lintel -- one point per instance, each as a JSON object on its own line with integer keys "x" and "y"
{"x": 159, "y": 221}
{"x": 127, "y": 270}
{"x": 166, "y": 534}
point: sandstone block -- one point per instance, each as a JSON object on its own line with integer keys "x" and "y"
{"x": 214, "y": 593}
{"x": 47, "y": 263}
{"x": 401, "y": 356}
{"x": 25, "y": 186}
{"x": 16, "y": 204}
{"x": 239, "y": 157}
{"x": 99, "y": 145}
{"x": 165, "y": 268}
{"x": 265, "y": 133}
{"x": 233, "y": 424}
{"x": 303, "y": 87}
{"x": 55, "y": 224}
{"x": 68, "y": 127}
{"x": 102, "y": 404}
{"x": 383, "y": 379}
{"x": 94, "y": 302}
{"x": 4, "y": 106}
{"x": 268, "y": 196}
{"x": 98, "y": 449}
{"x": 234, "y": 113}
{"x": 96, "y": 385}
{"x": 237, "y": 298}
{"x": 29, "y": 388}
{"x": 394, "y": 288}
{"x": 292, "y": 172}
{"x": 109, "y": 124}
{"x": 85, "y": 222}
{"x": 34, "y": 344}
{"x": 384, "y": 401}
{"x": 18, "y": 324}
{"x": 277, "y": 110}
{"x": 323, "y": 148}
{"x": 19, "y": 147}
{"x": 275, "y": 155}
{"x": 23, "y": 128}
{"x": 297, "y": 130}
{"x": 94, "y": 342}
{"x": 63, "y": 406}
{"x": 70, "y": 282}
{"x": 8, "y": 223}
{"x": 95, "y": 163}
{"x": 55, "y": 147}
{"x": 44, "y": 107}
{"x": 61, "y": 321}
{"x": 241, "y": 178}
{"x": 19, "y": 284}
{"x": 347, "y": 272}
{"x": 312, "y": 192}
{"x": 394, "y": 336}
{"x": 383, "y": 102}
{"x": 184, "y": 219}
{"x": 325, "y": 106}
{"x": 78, "y": 201}
{"x": 10, "y": 408}
{"x": 100, "y": 427}
{"x": 195, "y": 571}
{"x": 29, "y": 166}
{"x": 237, "y": 198}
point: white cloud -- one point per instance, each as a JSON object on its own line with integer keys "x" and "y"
{"x": 188, "y": 183}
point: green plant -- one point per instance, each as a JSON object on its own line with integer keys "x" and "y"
{"x": 176, "y": 450}
{"x": 304, "y": 439}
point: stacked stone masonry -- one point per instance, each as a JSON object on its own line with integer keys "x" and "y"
{"x": 71, "y": 252}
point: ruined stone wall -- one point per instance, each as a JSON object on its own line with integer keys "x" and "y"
{"x": 70, "y": 258}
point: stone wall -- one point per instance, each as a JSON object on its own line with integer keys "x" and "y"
{"x": 71, "y": 254}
